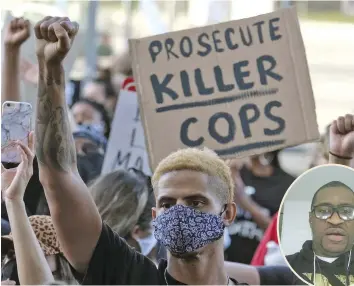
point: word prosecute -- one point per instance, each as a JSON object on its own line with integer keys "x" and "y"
{"x": 265, "y": 64}
{"x": 186, "y": 48}
{"x": 248, "y": 114}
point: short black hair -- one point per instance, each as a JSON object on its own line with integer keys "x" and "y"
{"x": 109, "y": 89}
{"x": 145, "y": 217}
{"x": 101, "y": 109}
{"x": 329, "y": 185}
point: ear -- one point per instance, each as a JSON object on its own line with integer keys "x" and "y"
{"x": 310, "y": 219}
{"x": 229, "y": 214}
{"x": 153, "y": 213}
{"x": 135, "y": 232}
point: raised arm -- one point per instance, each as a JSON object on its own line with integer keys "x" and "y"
{"x": 341, "y": 140}
{"x": 32, "y": 265}
{"x": 74, "y": 213}
{"x": 16, "y": 33}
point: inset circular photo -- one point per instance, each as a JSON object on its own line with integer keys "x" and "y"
{"x": 316, "y": 226}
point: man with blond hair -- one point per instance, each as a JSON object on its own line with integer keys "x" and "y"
{"x": 193, "y": 190}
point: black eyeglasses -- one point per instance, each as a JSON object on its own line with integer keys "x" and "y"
{"x": 324, "y": 212}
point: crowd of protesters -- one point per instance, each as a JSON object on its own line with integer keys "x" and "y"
{"x": 64, "y": 223}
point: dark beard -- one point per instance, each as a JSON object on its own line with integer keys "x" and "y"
{"x": 188, "y": 257}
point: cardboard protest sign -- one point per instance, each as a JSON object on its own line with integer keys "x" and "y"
{"x": 29, "y": 64}
{"x": 126, "y": 145}
{"x": 240, "y": 88}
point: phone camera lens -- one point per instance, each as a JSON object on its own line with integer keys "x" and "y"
{"x": 8, "y": 105}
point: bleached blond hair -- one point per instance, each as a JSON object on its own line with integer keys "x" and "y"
{"x": 205, "y": 161}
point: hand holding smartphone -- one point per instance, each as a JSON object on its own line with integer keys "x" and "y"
{"x": 15, "y": 125}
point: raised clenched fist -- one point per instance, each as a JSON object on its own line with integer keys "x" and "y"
{"x": 341, "y": 138}
{"x": 17, "y": 32}
{"x": 55, "y": 36}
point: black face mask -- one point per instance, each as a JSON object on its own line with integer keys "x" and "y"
{"x": 90, "y": 165}
{"x": 9, "y": 271}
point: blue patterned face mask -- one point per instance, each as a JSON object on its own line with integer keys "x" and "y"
{"x": 184, "y": 229}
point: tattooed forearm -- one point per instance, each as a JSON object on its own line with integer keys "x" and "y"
{"x": 55, "y": 146}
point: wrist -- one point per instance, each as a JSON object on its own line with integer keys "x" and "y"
{"x": 341, "y": 156}
{"x": 43, "y": 65}
{"x": 12, "y": 49}
{"x": 50, "y": 71}
{"x": 334, "y": 159}
{"x": 17, "y": 200}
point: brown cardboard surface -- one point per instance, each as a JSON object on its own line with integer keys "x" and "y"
{"x": 267, "y": 104}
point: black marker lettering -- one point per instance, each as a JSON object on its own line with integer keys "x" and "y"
{"x": 240, "y": 75}
{"x": 215, "y": 134}
{"x": 161, "y": 88}
{"x": 184, "y": 134}
{"x": 263, "y": 72}
{"x": 122, "y": 161}
{"x": 155, "y": 48}
{"x": 132, "y": 140}
{"x": 204, "y": 45}
{"x": 139, "y": 163}
{"x": 216, "y": 41}
{"x": 230, "y": 45}
{"x": 200, "y": 84}
{"x": 220, "y": 82}
{"x": 137, "y": 115}
{"x": 279, "y": 120}
{"x": 259, "y": 30}
{"x": 183, "y": 49}
{"x": 245, "y": 120}
{"x": 245, "y": 41}
{"x": 273, "y": 29}
{"x": 169, "y": 43}
{"x": 185, "y": 83}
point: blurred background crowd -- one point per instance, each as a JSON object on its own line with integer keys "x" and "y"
{"x": 103, "y": 62}
{"x": 105, "y": 27}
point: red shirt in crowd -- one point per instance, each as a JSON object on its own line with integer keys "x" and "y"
{"x": 271, "y": 234}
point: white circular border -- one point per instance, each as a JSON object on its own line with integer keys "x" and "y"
{"x": 282, "y": 203}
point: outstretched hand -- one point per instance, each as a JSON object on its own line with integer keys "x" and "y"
{"x": 341, "y": 137}
{"x": 14, "y": 181}
{"x": 17, "y": 32}
{"x": 55, "y": 36}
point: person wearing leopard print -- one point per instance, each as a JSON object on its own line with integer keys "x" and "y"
{"x": 44, "y": 231}
{"x": 32, "y": 253}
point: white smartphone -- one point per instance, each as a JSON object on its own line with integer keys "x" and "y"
{"x": 15, "y": 125}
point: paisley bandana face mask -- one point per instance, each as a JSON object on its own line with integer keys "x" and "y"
{"x": 183, "y": 229}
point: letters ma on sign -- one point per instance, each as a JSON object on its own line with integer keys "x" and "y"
{"x": 240, "y": 88}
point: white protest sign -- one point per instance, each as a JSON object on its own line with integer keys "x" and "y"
{"x": 126, "y": 144}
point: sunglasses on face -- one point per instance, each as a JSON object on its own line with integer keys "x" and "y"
{"x": 324, "y": 212}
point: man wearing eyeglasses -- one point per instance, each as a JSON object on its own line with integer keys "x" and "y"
{"x": 328, "y": 259}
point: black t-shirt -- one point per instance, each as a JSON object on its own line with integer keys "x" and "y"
{"x": 277, "y": 275}
{"x": 268, "y": 192}
{"x": 115, "y": 263}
